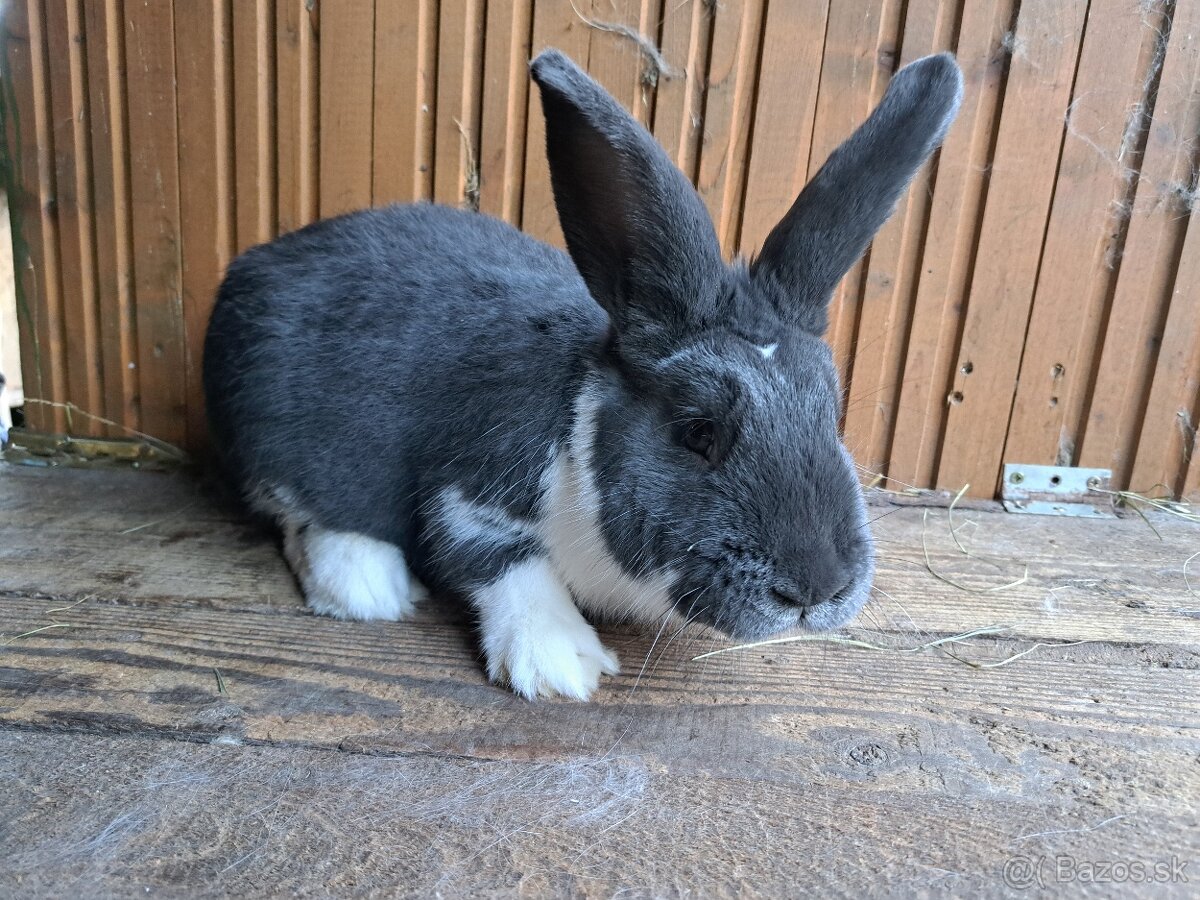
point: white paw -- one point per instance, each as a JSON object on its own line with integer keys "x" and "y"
{"x": 350, "y": 576}
{"x": 535, "y": 639}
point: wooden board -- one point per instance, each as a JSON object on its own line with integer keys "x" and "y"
{"x": 347, "y": 104}
{"x": 505, "y": 106}
{"x": 154, "y": 204}
{"x": 380, "y": 750}
{"x": 208, "y": 211}
{"x": 394, "y": 156}
{"x": 105, "y": 43}
{"x": 297, "y": 111}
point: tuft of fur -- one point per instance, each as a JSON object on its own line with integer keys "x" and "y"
{"x": 426, "y": 395}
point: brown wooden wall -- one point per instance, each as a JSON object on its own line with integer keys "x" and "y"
{"x": 1035, "y": 299}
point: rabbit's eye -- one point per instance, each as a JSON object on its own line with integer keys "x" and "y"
{"x": 698, "y": 437}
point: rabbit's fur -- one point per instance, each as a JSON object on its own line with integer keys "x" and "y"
{"x": 635, "y": 430}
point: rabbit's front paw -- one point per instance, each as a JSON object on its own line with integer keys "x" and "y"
{"x": 534, "y": 637}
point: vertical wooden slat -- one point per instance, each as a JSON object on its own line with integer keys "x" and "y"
{"x": 793, "y": 44}
{"x": 1147, "y": 275}
{"x": 1044, "y": 53}
{"x": 614, "y": 58}
{"x": 254, "y": 120}
{"x": 73, "y": 181}
{"x": 948, "y": 255}
{"x": 859, "y": 58}
{"x": 154, "y": 166}
{"x": 1167, "y": 442}
{"x": 34, "y": 223}
{"x": 732, "y": 80}
{"x": 460, "y": 45}
{"x": 679, "y": 100}
{"x": 427, "y": 68}
{"x": 394, "y": 167}
{"x": 296, "y": 111}
{"x": 1104, "y": 121}
{"x": 505, "y": 106}
{"x": 347, "y": 104}
{"x": 893, "y": 272}
{"x": 105, "y": 43}
{"x": 206, "y": 202}
{"x": 554, "y": 25}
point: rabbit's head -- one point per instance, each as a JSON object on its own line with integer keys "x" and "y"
{"x": 713, "y": 429}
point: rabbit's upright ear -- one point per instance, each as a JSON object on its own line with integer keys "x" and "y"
{"x": 634, "y": 225}
{"x": 835, "y": 217}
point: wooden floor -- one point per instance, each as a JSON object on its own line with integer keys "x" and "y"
{"x": 183, "y": 727}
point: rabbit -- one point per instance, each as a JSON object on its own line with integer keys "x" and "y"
{"x": 427, "y": 400}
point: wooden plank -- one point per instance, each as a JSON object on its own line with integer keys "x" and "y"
{"x": 29, "y": 133}
{"x": 679, "y": 100}
{"x": 154, "y": 194}
{"x": 1146, "y": 278}
{"x": 105, "y": 45}
{"x": 459, "y": 83}
{"x": 962, "y": 174}
{"x": 863, "y": 797}
{"x": 893, "y": 271}
{"x": 347, "y": 86}
{"x": 73, "y": 204}
{"x": 614, "y": 58}
{"x": 1045, "y": 46}
{"x": 296, "y": 91}
{"x": 254, "y": 120}
{"x": 1168, "y": 439}
{"x": 394, "y": 156}
{"x": 505, "y": 106}
{"x": 371, "y": 743}
{"x": 1104, "y": 123}
{"x": 204, "y": 70}
{"x": 729, "y": 106}
{"x": 777, "y": 164}
{"x": 554, "y": 25}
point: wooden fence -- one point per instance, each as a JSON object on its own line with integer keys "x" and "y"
{"x": 1035, "y": 299}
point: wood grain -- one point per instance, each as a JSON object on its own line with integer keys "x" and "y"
{"x": 297, "y": 112}
{"x": 1134, "y": 328}
{"x": 394, "y": 155}
{"x": 347, "y": 61}
{"x": 105, "y": 45}
{"x": 1104, "y": 124}
{"x": 34, "y": 224}
{"x": 73, "y": 206}
{"x": 1044, "y": 46}
{"x": 254, "y": 121}
{"x": 208, "y": 213}
{"x": 154, "y": 203}
{"x": 505, "y": 107}
{"x": 887, "y": 765}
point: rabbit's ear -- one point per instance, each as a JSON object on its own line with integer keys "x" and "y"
{"x": 835, "y": 217}
{"x": 638, "y": 233}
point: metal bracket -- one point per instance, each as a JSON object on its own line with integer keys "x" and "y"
{"x": 1056, "y": 491}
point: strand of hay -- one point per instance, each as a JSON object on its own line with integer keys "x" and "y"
{"x": 939, "y": 643}
{"x": 656, "y": 64}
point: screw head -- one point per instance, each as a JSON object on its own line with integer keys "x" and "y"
{"x": 1093, "y": 483}
{"x": 1016, "y": 477}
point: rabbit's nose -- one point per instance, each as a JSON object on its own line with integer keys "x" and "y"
{"x": 823, "y": 583}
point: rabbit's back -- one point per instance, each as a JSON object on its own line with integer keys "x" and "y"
{"x": 365, "y": 363}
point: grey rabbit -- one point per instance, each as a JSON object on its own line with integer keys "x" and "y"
{"x": 424, "y": 396}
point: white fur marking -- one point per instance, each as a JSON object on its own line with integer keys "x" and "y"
{"x": 570, "y": 530}
{"x": 768, "y": 350}
{"x": 350, "y": 576}
{"x": 466, "y": 522}
{"x": 534, "y": 637}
